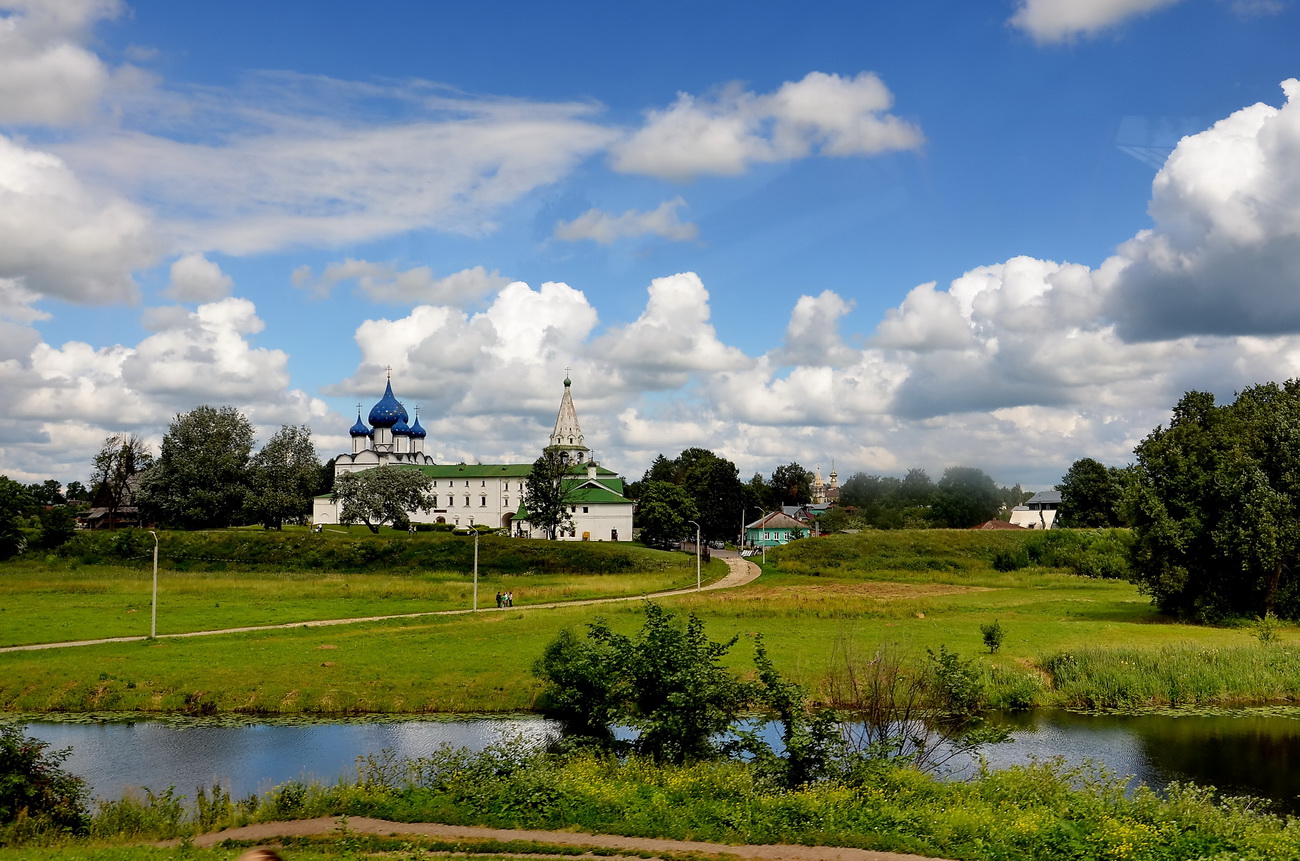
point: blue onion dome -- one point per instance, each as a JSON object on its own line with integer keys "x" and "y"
{"x": 360, "y": 429}
{"x": 388, "y": 411}
{"x": 400, "y": 428}
{"x": 417, "y": 431}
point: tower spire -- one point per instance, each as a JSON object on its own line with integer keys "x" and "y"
{"x": 567, "y": 436}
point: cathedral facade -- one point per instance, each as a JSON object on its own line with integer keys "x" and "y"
{"x": 487, "y": 494}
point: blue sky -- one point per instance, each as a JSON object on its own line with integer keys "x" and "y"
{"x": 1005, "y": 235}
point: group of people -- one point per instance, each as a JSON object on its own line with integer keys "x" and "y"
{"x": 505, "y": 599}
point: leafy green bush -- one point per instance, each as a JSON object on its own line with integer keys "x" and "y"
{"x": 1011, "y": 559}
{"x": 299, "y": 550}
{"x": 33, "y": 784}
{"x": 1088, "y": 552}
{"x": 993, "y": 635}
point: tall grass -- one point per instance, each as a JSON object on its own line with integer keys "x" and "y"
{"x": 957, "y": 553}
{"x": 1041, "y": 811}
{"x": 1174, "y": 675}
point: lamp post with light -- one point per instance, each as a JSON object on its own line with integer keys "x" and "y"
{"x": 153, "y": 610}
{"x": 475, "y": 528}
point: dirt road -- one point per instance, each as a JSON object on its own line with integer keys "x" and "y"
{"x": 268, "y": 833}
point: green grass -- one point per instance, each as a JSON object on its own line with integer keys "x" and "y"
{"x": 816, "y": 602}
{"x": 56, "y": 599}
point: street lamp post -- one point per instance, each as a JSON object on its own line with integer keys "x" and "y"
{"x": 475, "y": 528}
{"x": 697, "y": 555}
{"x": 153, "y": 610}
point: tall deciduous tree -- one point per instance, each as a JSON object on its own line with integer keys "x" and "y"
{"x": 283, "y": 477}
{"x": 791, "y": 485}
{"x": 546, "y": 495}
{"x": 964, "y": 497}
{"x": 385, "y": 494}
{"x": 713, "y": 483}
{"x": 1217, "y": 506}
{"x": 121, "y": 459}
{"x": 48, "y": 492}
{"x": 15, "y": 506}
{"x": 201, "y": 477}
{"x": 1091, "y": 495}
{"x": 662, "y": 512}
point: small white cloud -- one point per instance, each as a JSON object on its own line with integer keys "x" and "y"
{"x": 1048, "y": 21}
{"x": 607, "y": 229}
{"x": 387, "y": 284}
{"x": 195, "y": 278}
{"x": 821, "y": 114}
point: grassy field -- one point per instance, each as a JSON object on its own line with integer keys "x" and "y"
{"x": 206, "y": 582}
{"x": 817, "y": 602}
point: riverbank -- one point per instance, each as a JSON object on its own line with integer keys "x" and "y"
{"x": 1041, "y": 811}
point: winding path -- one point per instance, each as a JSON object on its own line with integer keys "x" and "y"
{"x": 269, "y": 832}
{"x": 741, "y": 571}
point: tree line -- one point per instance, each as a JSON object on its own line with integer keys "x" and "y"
{"x": 701, "y": 486}
{"x": 206, "y": 475}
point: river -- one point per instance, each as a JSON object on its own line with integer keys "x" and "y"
{"x": 1250, "y": 752}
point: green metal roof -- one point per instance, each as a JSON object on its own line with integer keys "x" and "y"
{"x": 589, "y": 495}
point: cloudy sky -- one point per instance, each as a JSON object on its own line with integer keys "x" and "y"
{"x": 1004, "y": 234}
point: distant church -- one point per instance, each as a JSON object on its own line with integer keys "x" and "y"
{"x": 487, "y": 494}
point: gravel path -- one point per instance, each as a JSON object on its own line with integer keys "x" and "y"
{"x": 742, "y": 571}
{"x": 269, "y": 832}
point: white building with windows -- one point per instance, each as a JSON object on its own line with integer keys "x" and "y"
{"x": 1039, "y": 511}
{"x": 487, "y": 493}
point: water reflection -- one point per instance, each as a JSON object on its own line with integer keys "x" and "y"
{"x": 1251, "y": 753}
{"x": 1241, "y": 754}
{"x": 246, "y": 759}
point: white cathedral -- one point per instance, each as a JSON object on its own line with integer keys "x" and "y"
{"x": 484, "y": 493}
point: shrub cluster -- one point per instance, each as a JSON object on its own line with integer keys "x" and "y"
{"x": 1088, "y": 552}
{"x": 435, "y": 549}
{"x": 1044, "y": 810}
{"x": 36, "y": 794}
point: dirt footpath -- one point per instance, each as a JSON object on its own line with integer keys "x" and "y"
{"x": 269, "y": 832}
{"x": 741, "y": 571}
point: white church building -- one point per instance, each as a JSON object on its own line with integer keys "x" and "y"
{"x": 490, "y": 494}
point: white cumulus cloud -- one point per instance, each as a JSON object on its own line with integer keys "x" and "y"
{"x": 1061, "y": 20}
{"x": 63, "y": 238}
{"x": 195, "y": 278}
{"x": 821, "y": 114}
{"x": 47, "y": 76}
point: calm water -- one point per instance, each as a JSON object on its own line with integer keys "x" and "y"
{"x": 1254, "y": 754}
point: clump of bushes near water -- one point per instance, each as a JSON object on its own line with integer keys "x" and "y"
{"x": 1043, "y": 811}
